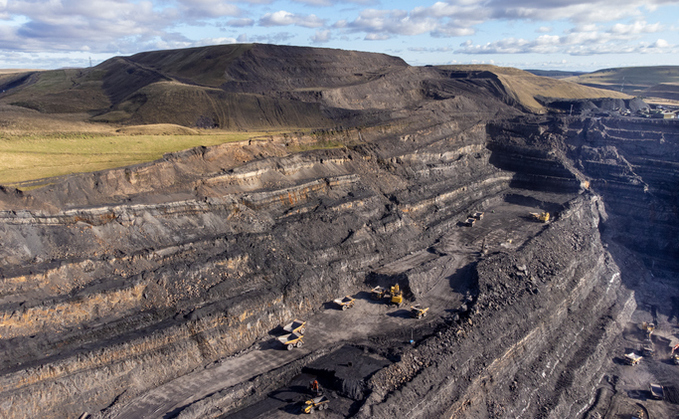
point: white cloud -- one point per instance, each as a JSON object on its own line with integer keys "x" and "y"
{"x": 376, "y": 37}
{"x": 283, "y": 18}
{"x": 544, "y": 29}
{"x": 272, "y": 38}
{"x": 321, "y": 36}
{"x": 661, "y": 43}
{"x": 327, "y": 3}
{"x": 324, "y": 3}
{"x": 240, "y": 23}
{"x": 577, "y": 44}
{"x": 636, "y": 28}
{"x": 382, "y": 23}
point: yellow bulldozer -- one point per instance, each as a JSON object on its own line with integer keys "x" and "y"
{"x": 542, "y": 217}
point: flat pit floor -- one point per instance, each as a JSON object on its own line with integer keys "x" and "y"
{"x": 340, "y": 374}
{"x": 631, "y": 383}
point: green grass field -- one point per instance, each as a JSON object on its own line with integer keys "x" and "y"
{"x": 24, "y": 157}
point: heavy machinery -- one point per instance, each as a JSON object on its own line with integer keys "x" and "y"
{"x": 291, "y": 340}
{"x": 378, "y": 293}
{"x": 417, "y": 311}
{"x": 648, "y": 328}
{"x": 674, "y": 355}
{"x": 317, "y": 403}
{"x": 396, "y": 295}
{"x": 477, "y": 215}
{"x": 345, "y": 303}
{"x": 647, "y": 349}
{"x": 469, "y": 222}
{"x": 542, "y": 217}
{"x": 315, "y": 388}
{"x": 632, "y": 358}
{"x": 657, "y": 391}
{"x": 296, "y": 326}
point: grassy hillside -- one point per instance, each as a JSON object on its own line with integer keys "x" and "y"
{"x": 37, "y": 156}
{"x": 525, "y": 87}
{"x": 205, "y": 66}
{"x": 57, "y": 91}
{"x": 659, "y": 81}
{"x": 77, "y": 120}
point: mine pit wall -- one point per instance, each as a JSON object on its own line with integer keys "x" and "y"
{"x": 100, "y": 304}
{"x": 633, "y": 164}
{"x": 536, "y": 343}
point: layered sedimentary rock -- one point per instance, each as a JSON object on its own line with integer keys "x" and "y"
{"x": 117, "y": 282}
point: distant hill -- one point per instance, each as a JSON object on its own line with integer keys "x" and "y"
{"x": 525, "y": 87}
{"x": 647, "y": 82}
{"x": 252, "y": 86}
{"x": 556, "y": 74}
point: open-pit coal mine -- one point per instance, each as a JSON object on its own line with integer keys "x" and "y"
{"x": 538, "y": 237}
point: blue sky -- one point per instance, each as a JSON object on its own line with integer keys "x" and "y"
{"x": 541, "y": 34}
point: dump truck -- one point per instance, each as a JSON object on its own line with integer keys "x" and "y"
{"x": 648, "y": 328}
{"x": 378, "y": 293}
{"x": 417, "y": 311}
{"x": 657, "y": 391}
{"x": 296, "y": 326}
{"x": 345, "y": 303}
{"x": 469, "y": 222}
{"x": 291, "y": 340}
{"x": 396, "y": 295}
{"x": 317, "y": 403}
{"x": 632, "y": 358}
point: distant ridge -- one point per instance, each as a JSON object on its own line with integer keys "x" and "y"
{"x": 253, "y": 86}
{"x": 646, "y": 82}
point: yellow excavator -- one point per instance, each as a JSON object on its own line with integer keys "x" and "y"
{"x": 396, "y": 295}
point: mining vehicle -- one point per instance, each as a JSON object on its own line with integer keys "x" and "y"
{"x": 315, "y": 388}
{"x": 378, "y": 293}
{"x": 317, "y": 403}
{"x": 477, "y": 215}
{"x": 396, "y": 295}
{"x": 296, "y": 326}
{"x": 647, "y": 349}
{"x": 417, "y": 311}
{"x": 469, "y": 221}
{"x": 657, "y": 391}
{"x": 543, "y": 217}
{"x": 674, "y": 355}
{"x": 648, "y": 327}
{"x": 632, "y": 358}
{"x": 345, "y": 303}
{"x": 291, "y": 340}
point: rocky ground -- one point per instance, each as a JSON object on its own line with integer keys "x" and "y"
{"x": 157, "y": 290}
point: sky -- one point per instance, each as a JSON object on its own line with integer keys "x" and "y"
{"x": 570, "y": 35}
